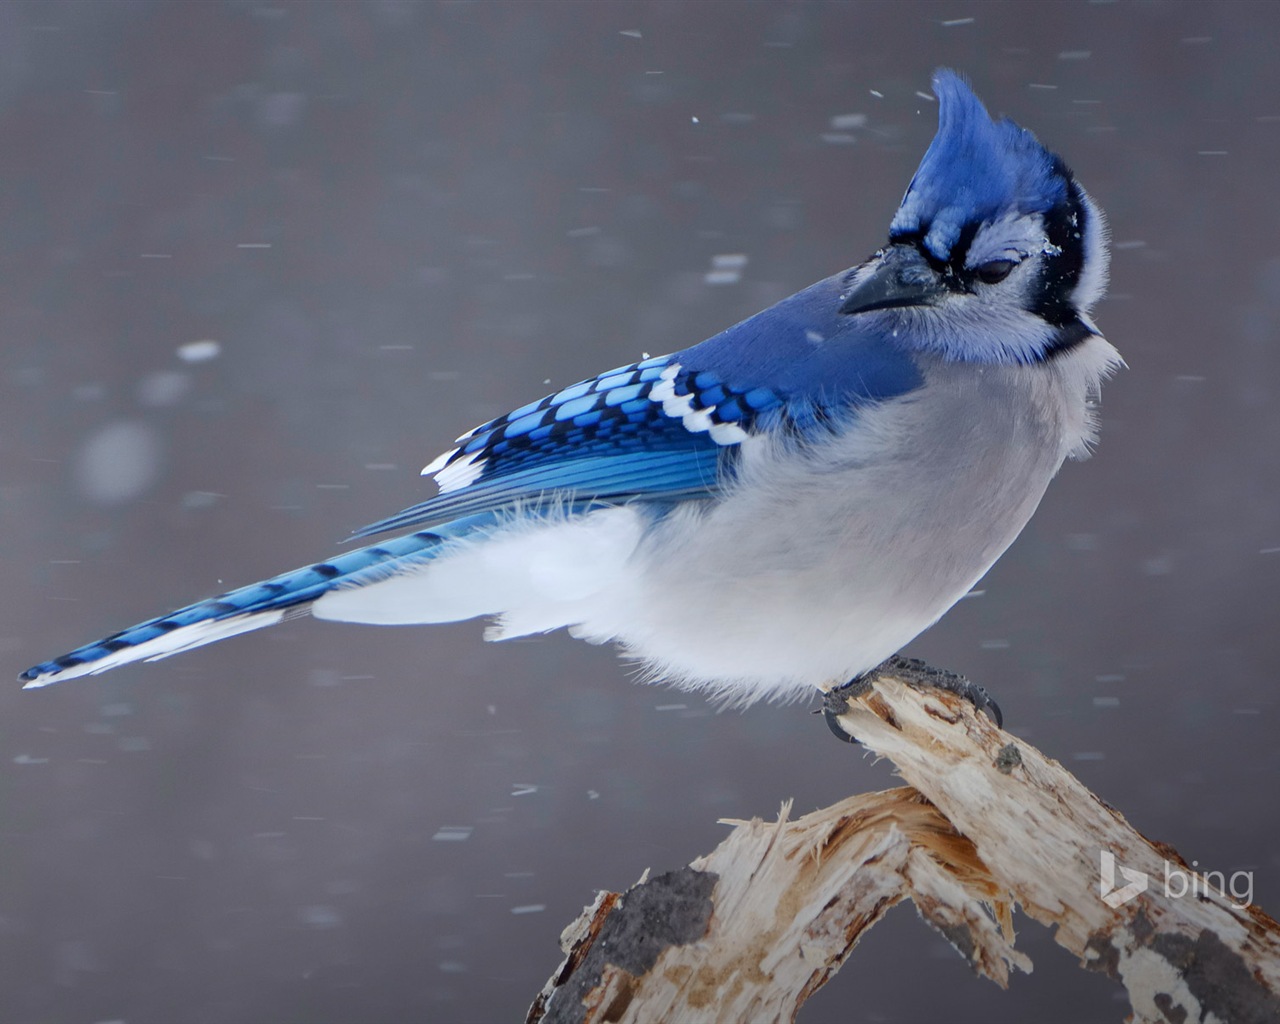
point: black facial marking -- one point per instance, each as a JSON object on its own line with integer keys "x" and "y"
{"x": 1066, "y": 338}
{"x": 1065, "y": 227}
{"x": 960, "y": 252}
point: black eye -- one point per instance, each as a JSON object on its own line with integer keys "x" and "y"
{"x": 995, "y": 271}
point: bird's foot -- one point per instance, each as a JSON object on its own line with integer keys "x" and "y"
{"x": 915, "y": 673}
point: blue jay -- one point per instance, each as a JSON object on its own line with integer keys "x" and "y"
{"x": 780, "y": 508}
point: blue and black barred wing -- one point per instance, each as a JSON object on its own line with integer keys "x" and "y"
{"x": 653, "y": 430}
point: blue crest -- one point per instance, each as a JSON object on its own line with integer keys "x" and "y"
{"x": 975, "y": 170}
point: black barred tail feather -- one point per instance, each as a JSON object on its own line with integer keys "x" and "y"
{"x": 238, "y": 611}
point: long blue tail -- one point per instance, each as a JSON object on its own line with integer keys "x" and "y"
{"x": 238, "y": 611}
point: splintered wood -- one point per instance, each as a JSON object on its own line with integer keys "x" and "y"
{"x": 785, "y": 903}
{"x": 988, "y": 823}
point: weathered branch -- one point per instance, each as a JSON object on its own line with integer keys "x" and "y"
{"x": 750, "y": 931}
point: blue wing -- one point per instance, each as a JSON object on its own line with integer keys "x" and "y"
{"x": 668, "y": 428}
{"x": 606, "y": 440}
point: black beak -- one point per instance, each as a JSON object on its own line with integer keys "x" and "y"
{"x": 903, "y": 278}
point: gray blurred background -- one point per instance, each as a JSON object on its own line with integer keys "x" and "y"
{"x": 397, "y": 220}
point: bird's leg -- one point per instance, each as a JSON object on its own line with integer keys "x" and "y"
{"x": 914, "y": 672}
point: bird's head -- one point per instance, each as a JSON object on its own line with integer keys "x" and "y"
{"x": 996, "y": 254}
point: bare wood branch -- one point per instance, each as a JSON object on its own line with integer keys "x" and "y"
{"x": 750, "y": 931}
{"x": 753, "y": 929}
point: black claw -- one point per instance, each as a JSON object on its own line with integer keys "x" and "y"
{"x": 993, "y": 709}
{"x": 835, "y": 703}
{"x": 831, "y": 717}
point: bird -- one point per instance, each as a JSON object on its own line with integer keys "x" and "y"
{"x": 776, "y": 510}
